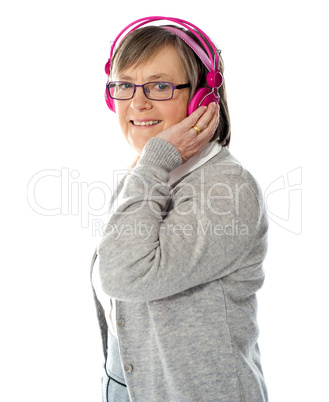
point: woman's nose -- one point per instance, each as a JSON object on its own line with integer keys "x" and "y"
{"x": 140, "y": 101}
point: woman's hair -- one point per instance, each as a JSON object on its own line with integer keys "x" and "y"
{"x": 144, "y": 43}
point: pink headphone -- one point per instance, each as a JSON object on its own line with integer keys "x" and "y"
{"x": 203, "y": 96}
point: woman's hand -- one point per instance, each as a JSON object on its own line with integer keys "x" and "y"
{"x": 185, "y": 138}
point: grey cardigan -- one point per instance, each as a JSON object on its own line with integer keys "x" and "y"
{"x": 184, "y": 263}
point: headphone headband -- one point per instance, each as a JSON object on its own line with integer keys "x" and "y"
{"x": 209, "y": 61}
{"x": 193, "y": 45}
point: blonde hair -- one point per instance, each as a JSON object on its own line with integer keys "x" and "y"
{"x": 143, "y": 43}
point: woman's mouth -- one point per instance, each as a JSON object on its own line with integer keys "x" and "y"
{"x": 145, "y": 123}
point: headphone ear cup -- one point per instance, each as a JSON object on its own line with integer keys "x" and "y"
{"x": 202, "y": 97}
{"x": 109, "y": 101}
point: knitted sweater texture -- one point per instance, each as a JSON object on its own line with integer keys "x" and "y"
{"x": 184, "y": 263}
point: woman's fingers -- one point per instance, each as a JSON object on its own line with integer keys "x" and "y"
{"x": 193, "y": 118}
{"x": 203, "y": 121}
{"x": 208, "y": 123}
{"x": 203, "y": 117}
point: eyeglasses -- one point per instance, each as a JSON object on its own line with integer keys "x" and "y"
{"x": 157, "y": 90}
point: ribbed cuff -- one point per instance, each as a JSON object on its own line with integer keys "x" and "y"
{"x": 159, "y": 152}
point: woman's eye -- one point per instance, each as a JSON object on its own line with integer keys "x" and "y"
{"x": 125, "y": 85}
{"x": 161, "y": 86}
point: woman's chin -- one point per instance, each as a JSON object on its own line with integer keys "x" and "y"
{"x": 139, "y": 140}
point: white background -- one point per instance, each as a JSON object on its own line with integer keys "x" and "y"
{"x": 54, "y": 119}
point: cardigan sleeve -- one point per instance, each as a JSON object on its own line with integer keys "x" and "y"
{"x": 161, "y": 241}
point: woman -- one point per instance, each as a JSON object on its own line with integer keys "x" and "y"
{"x": 176, "y": 272}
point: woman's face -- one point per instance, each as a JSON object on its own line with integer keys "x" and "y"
{"x": 166, "y": 65}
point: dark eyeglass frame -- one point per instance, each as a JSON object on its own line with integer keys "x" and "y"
{"x": 181, "y": 86}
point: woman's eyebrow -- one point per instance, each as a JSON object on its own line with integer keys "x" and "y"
{"x": 161, "y": 76}
{"x": 123, "y": 77}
